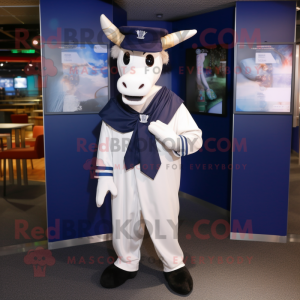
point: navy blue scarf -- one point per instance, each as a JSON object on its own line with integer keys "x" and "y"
{"x": 142, "y": 147}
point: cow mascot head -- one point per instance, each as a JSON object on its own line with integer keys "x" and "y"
{"x": 140, "y": 56}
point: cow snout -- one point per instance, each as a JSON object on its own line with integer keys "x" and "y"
{"x": 134, "y": 85}
{"x": 141, "y": 86}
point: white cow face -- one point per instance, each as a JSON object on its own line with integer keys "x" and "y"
{"x": 139, "y": 71}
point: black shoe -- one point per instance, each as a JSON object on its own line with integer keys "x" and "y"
{"x": 180, "y": 281}
{"x": 113, "y": 277}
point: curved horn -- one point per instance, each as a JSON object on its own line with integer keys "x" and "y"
{"x": 111, "y": 31}
{"x": 172, "y": 39}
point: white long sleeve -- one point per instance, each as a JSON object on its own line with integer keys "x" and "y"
{"x": 188, "y": 131}
{"x": 104, "y": 156}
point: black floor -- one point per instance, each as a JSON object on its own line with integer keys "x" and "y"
{"x": 266, "y": 270}
{"x": 25, "y": 205}
{"x": 221, "y": 268}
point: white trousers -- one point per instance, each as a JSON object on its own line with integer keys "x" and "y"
{"x": 142, "y": 201}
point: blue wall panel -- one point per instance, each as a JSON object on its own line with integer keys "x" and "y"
{"x": 260, "y": 190}
{"x": 212, "y": 185}
{"x": 70, "y": 190}
{"x": 274, "y": 20}
{"x": 73, "y": 17}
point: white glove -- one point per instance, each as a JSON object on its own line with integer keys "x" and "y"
{"x": 105, "y": 184}
{"x": 165, "y": 134}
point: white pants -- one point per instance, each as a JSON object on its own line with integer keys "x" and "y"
{"x": 154, "y": 201}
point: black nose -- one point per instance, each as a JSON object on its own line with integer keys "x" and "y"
{"x": 124, "y": 84}
{"x": 141, "y": 86}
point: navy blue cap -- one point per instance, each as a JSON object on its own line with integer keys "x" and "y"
{"x": 145, "y": 39}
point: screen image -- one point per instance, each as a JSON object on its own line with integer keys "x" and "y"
{"x": 206, "y": 80}
{"x": 20, "y": 83}
{"x": 7, "y": 84}
{"x": 263, "y": 78}
{"x": 75, "y": 78}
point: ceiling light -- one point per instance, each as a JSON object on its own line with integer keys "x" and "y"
{"x": 297, "y": 8}
{"x": 30, "y": 64}
{"x": 35, "y": 42}
{"x": 1, "y": 64}
{"x": 159, "y": 16}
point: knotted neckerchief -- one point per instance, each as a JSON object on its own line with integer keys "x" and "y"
{"x": 142, "y": 147}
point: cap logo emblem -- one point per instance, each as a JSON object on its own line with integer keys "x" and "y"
{"x": 141, "y": 34}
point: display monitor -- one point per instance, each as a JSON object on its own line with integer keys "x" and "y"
{"x": 263, "y": 78}
{"x": 7, "y": 84}
{"x": 206, "y": 80}
{"x": 75, "y": 78}
{"x": 20, "y": 83}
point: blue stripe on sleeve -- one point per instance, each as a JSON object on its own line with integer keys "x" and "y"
{"x": 104, "y": 174}
{"x": 182, "y": 146}
{"x": 186, "y": 145}
{"x": 105, "y": 168}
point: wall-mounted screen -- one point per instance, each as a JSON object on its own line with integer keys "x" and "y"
{"x": 206, "y": 80}
{"x": 20, "y": 83}
{"x": 263, "y": 78}
{"x": 7, "y": 84}
{"x": 75, "y": 78}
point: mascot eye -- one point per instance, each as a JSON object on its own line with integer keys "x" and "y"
{"x": 149, "y": 60}
{"x": 126, "y": 58}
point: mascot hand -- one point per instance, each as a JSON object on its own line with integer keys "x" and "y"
{"x": 105, "y": 185}
{"x": 165, "y": 134}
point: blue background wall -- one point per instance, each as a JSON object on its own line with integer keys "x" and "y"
{"x": 274, "y": 19}
{"x": 212, "y": 126}
{"x": 70, "y": 191}
{"x": 210, "y": 185}
{"x": 260, "y": 192}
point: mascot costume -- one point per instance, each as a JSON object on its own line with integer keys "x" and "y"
{"x": 148, "y": 129}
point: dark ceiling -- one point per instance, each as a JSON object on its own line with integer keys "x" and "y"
{"x": 19, "y": 15}
{"x": 171, "y": 9}
{"x": 26, "y": 12}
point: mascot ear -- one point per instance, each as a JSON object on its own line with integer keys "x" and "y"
{"x": 115, "y": 51}
{"x": 165, "y": 57}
